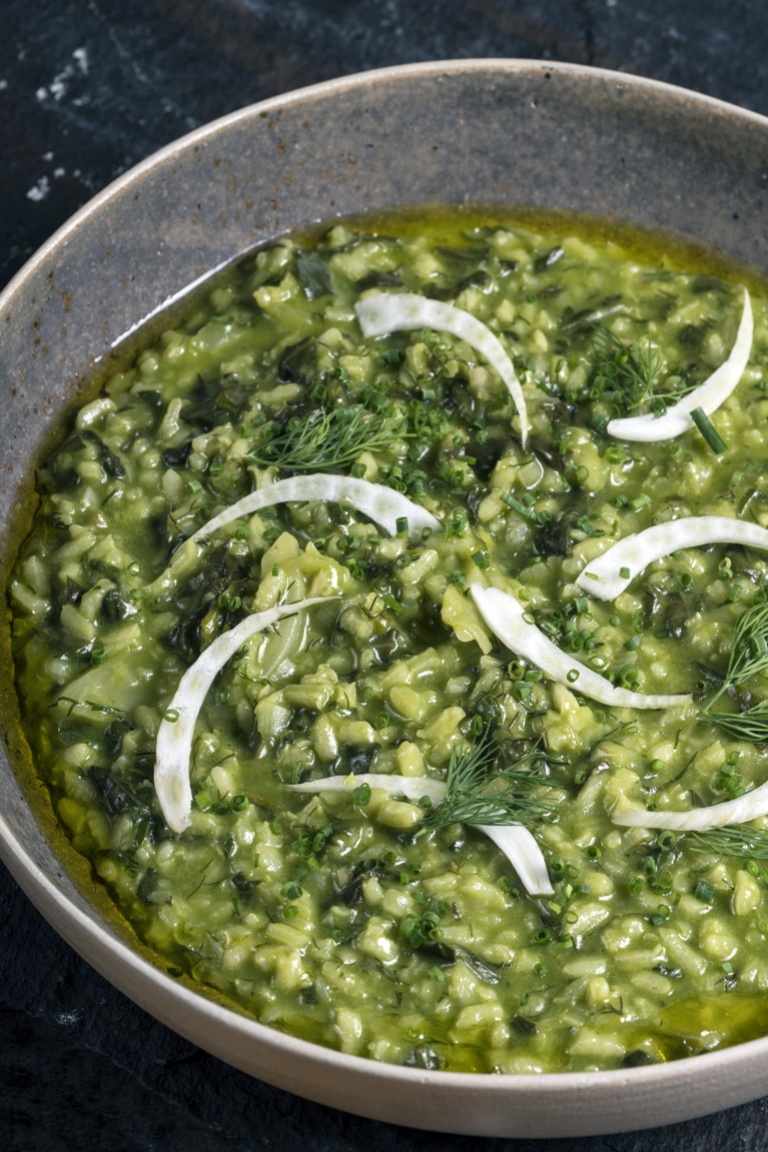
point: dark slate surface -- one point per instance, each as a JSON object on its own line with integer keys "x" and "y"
{"x": 88, "y": 88}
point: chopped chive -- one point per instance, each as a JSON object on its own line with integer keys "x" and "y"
{"x": 362, "y": 794}
{"x": 704, "y": 892}
{"x": 511, "y": 502}
{"x": 640, "y": 502}
{"x": 708, "y": 431}
{"x": 624, "y": 573}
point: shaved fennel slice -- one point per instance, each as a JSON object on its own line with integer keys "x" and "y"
{"x": 506, "y": 619}
{"x": 611, "y": 573}
{"x": 520, "y": 848}
{"x": 708, "y": 396}
{"x": 738, "y": 811}
{"x": 412, "y": 787}
{"x": 514, "y": 840}
{"x": 384, "y": 312}
{"x": 381, "y": 504}
{"x": 174, "y": 737}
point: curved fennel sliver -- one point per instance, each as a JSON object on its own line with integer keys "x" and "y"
{"x": 385, "y": 312}
{"x": 520, "y": 848}
{"x": 603, "y": 577}
{"x": 412, "y": 787}
{"x": 376, "y": 501}
{"x": 514, "y": 840}
{"x": 174, "y": 737}
{"x": 381, "y": 504}
{"x": 708, "y": 396}
{"x": 738, "y": 811}
{"x": 505, "y": 617}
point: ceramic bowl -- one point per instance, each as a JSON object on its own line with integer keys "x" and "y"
{"x": 506, "y": 135}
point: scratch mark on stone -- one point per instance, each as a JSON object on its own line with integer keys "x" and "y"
{"x": 118, "y": 45}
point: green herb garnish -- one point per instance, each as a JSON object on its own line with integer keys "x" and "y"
{"x": 626, "y": 375}
{"x": 735, "y": 840}
{"x": 708, "y": 431}
{"x": 327, "y": 440}
{"x": 749, "y": 657}
{"x": 475, "y": 795}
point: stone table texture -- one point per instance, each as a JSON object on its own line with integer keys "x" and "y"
{"x": 87, "y": 89}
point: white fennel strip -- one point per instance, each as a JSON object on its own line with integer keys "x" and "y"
{"x": 514, "y": 840}
{"x": 376, "y": 501}
{"x": 174, "y": 738}
{"x": 505, "y": 617}
{"x": 612, "y": 572}
{"x": 520, "y": 848}
{"x": 385, "y": 312}
{"x": 708, "y": 396}
{"x": 738, "y": 811}
{"x": 412, "y": 787}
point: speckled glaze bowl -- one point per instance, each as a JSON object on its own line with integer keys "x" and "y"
{"x": 506, "y": 135}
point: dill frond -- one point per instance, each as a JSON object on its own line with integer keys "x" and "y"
{"x": 734, "y": 840}
{"x": 749, "y": 657}
{"x": 749, "y": 650}
{"x": 627, "y": 375}
{"x": 327, "y": 440}
{"x": 750, "y": 725}
{"x": 476, "y": 795}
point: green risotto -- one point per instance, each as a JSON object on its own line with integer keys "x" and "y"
{"x": 420, "y": 817}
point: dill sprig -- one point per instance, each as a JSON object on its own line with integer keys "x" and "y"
{"x": 734, "y": 840}
{"x": 626, "y": 373}
{"x": 749, "y": 648}
{"x": 750, "y": 725}
{"x": 475, "y": 795}
{"x": 749, "y": 657}
{"x": 327, "y": 440}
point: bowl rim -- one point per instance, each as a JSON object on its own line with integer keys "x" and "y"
{"x": 355, "y": 80}
{"x": 132, "y": 970}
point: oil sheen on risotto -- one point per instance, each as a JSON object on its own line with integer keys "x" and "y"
{"x": 487, "y": 798}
